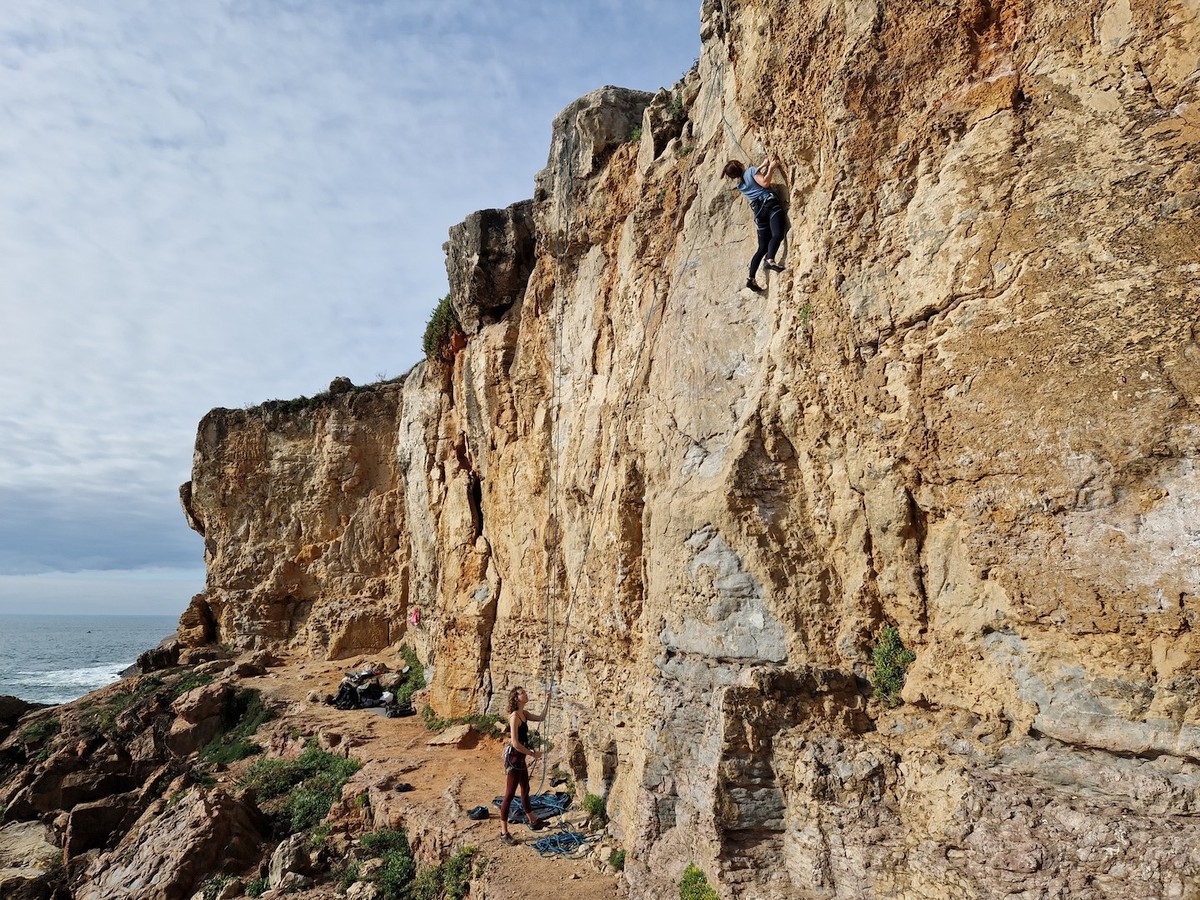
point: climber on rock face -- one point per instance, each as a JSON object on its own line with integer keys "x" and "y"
{"x": 769, "y": 219}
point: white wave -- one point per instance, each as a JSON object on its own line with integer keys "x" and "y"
{"x": 61, "y": 685}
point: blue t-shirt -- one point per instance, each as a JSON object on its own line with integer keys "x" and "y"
{"x": 751, "y": 188}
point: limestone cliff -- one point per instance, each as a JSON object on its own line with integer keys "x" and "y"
{"x": 969, "y": 408}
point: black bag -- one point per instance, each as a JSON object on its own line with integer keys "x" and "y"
{"x": 347, "y": 697}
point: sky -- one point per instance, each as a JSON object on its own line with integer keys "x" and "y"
{"x": 219, "y": 203}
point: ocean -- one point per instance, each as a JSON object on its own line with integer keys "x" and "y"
{"x": 54, "y": 659}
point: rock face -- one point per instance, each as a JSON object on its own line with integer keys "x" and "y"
{"x": 176, "y": 845}
{"x": 321, "y": 568}
{"x": 970, "y": 408}
{"x": 491, "y": 262}
{"x": 28, "y": 861}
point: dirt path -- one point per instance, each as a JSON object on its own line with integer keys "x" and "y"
{"x": 445, "y": 783}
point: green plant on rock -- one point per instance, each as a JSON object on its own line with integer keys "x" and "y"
{"x": 189, "y": 681}
{"x": 257, "y": 887}
{"x": 305, "y": 788}
{"x": 414, "y": 679}
{"x": 394, "y": 877}
{"x": 595, "y": 806}
{"x": 695, "y": 886}
{"x": 449, "y": 881}
{"x": 616, "y": 859}
{"x": 37, "y": 733}
{"x": 440, "y": 330}
{"x": 242, "y": 714}
{"x": 211, "y": 889}
{"x": 891, "y": 660}
{"x": 485, "y": 724}
{"x": 635, "y": 134}
{"x": 346, "y": 875}
{"x": 458, "y": 871}
{"x": 677, "y": 112}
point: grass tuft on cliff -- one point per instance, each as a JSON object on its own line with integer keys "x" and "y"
{"x": 302, "y": 789}
{"x": 443, "y": 324}
{"x": 486, "y": 724}
{"x": 414, "y": 680}
{"x": 397, "y": 877}
{"x": 695, "y": 886}
{"x": 241, "y": 716}
{"x": 891, "y": 660}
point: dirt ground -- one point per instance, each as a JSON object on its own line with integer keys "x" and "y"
{"x": 446, "y": 782}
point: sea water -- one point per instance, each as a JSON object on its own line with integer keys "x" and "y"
{"x": 54, "y": 659}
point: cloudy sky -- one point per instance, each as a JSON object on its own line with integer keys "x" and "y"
{"x": 222, "y": 202}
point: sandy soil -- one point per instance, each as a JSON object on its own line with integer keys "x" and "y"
{"x": 446, "y": 782}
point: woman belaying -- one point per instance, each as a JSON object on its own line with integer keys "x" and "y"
{"x": 769, "y": 219}
{"x": 515, "y": 753}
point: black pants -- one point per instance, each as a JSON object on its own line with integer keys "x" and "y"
{"x": 516, "y": 778}
{"x": 772, "y": 226}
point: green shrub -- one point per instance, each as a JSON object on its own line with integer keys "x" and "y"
{"x": 189, "y": 681}
{"x": 695, "y": 885}
{"x": 346, "y": 875}
{"x": 677, "y": 112}
{"x": 595, "y": 806}
{"x": 307, "y": 786}
{"x": 635, "y": 134}
{"x": 257, "y": 887}
{"x": 241, "y": 716}
{"x": 891, "y": 660}
{"x": 616, "y": 859}
{"x": 440, "y": 329}
{"x": 212, "y": 888}
{"x": 398, "y": 870}
{"x": 457, "y": 872}
{"x": 37, "y": 733}
{"x": 428, "y": 885}
{"x": 449, "y": 881}
{"x": 414, "y": 680}
{"x": 490, "y": 725}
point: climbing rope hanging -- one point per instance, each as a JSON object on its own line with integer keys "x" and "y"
{"x": 627, "y": 398}
{"x": 557, "y": 645}
{"x": 565, "y": 176}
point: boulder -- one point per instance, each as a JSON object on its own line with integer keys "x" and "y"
{"x": 28, "y": 861}
{"x": 198, "y": 717}
{"x": 176, "y": 845}
{"x": 454, "y": 736}
{"x": 290, "y": 858}
{"x": 164, "y": 656}
{"x": 488, "y": 260}
{"x": 92, "y": 825}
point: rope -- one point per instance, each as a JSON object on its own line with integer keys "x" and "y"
{"x": 562, "y": 843}
{"x": 566, "y": 161}
{"x": 628, "y": 395}
{"x": 557, "y": 354}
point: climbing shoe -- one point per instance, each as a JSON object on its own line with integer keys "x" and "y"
{"x": 508, "y": 839}
{"x": 773, "y": 266}
{"x": 537, "y": 825}
{"x": 754, "y": 285}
